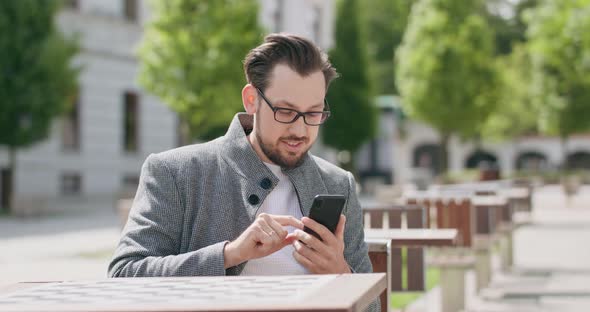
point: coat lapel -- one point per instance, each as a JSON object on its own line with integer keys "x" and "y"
{"x": 240, "y": 155}
{"x": 307, "y": 182}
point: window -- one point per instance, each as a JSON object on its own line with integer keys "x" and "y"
{"x": 317, "y": 25}
{"x": 130, "y": 10}
{"x": 71, "y": 184}
{"x": 5, "y": 188}
{"x": 278, "y": 15}
{"x": 71, "y": 127}
{"x": 129, "y": 185}
{"x": 130, "y": 122}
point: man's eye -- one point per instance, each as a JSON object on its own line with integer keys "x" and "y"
{"x": 286, "y": 113}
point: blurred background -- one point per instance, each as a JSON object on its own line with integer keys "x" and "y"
{"x": 431, "y": 91}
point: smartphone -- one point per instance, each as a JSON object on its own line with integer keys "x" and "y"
{"x": 326, "y": 210}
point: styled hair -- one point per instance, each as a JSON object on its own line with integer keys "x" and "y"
{"x": 300, "y": 54}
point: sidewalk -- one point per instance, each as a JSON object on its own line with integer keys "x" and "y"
{"x": 552, "y": 254}
{"x": 63, "y": 247}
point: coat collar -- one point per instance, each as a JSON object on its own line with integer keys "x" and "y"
{"x": 240, "y": 155}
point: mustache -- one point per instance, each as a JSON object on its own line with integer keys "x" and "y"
{"x": 295, "y": 138}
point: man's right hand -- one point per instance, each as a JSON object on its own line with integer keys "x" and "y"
{"x": 262, "y": 238}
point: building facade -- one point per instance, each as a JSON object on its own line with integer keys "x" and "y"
{"x": 97, "y": 150}
{"x": 409, "y": 149}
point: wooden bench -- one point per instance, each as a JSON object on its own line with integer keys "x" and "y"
{"x": 492, "y": 216}
{"x": 403, "y": 231}
{"x": 450, "y": 212}
{"x": 512, "y": 210}
{"x": 493, "y": 225}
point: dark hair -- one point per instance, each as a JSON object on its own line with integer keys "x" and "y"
{"x": 300, "y": 54}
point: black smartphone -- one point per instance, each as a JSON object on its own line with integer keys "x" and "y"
{"x": 326, "y": 210}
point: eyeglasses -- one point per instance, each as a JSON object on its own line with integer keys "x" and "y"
{"x": 287, "y": 115}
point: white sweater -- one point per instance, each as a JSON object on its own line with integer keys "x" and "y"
{"x": 282, "y": 200}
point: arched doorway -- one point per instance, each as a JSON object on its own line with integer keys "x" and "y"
{"x": 531, "y": 161}
{"x": 427, "y": 156}
{"x": 481, "y": 158}
{"x": 579, "y": 160}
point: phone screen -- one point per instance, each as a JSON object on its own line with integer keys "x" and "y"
{"x": 326, "y": 210}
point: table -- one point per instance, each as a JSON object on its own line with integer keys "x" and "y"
{"x": 345, "y": 292}
{"x": 384, "y": 251}
{"x": 413, "y": 237}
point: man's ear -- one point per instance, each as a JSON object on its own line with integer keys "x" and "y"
{"x": 249, "y": 98}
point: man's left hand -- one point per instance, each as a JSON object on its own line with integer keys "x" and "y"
{"x": 321, "y": 257}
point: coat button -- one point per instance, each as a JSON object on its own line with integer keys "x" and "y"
{"x": 265, "y": 183}
{"x": 253, "y": 199}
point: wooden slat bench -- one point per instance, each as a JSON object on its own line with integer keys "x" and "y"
{"x": 450, "y": 212}
{"x": 404, "y": 231}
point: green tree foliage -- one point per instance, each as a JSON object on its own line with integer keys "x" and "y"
{"x": 37, "y": 78}
{"x": 505, "y": 18}
{"x": 559, "y": 43}
{"x": 191, "y": 58}
{"x": 354, "y": 115}
{"x": 386, "y": 22}
{"x": 516, "y": 113}
{"x": 445, "y": 73}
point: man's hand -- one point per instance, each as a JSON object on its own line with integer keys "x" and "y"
{"x": 321, "y": 257}
{"x": 262, "y": 238}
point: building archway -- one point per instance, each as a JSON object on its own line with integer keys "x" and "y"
{"x": 531, "y": 161}
{"x": 427, "y": 156}
{"x": 579, "y": 160}
{"x": 479, "y": 158}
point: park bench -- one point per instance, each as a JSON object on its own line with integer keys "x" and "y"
{"x": 392, "y": 229}
{"x": 513, "y": 210}
{"x": 450, "y": 212}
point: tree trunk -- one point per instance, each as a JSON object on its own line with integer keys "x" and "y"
{"x": 349, "y": 166}
{"x": 183, "y": 132}
{"x": 444, "y": 154}
{"x": 11, "y": 177}
{"x": 564, "y": 162}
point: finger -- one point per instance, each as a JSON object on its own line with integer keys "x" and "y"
{"x": 262, "y": 237}
{"x": 340, "y": 228}
{"x": 275, "y": 226}
{"x": 308, "y": 253}
{"x": 288, "y": 220}
{"x": 308, "y": 239}
{"x": 304, "y": 261}
{"x": 264, "y": 226}
{"x": 275, "y": 239}
{"x": 291, "y": 237}
{"x": 327, "y": 236}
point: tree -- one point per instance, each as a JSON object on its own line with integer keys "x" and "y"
{"x": 505, "y": 18}
{"x": 559, "y": 43}
{"x": 516, "y": 113}
{"x": 386, "y": 22}
{"x": 445, "y": 73}
{"x": 191, "y": 58}
{"x": 38, "y": 80}
{"x": 354, "y": 115}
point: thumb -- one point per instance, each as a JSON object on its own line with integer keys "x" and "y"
{"x": 340, "y": 228}
{"x": 289, "y": 239}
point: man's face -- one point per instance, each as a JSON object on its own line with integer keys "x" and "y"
{"x": 286, "y": 144}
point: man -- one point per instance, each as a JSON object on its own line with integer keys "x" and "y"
{"x": 236, "y": 205}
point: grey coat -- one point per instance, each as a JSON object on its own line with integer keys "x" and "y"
{"x": 193, "y": 199}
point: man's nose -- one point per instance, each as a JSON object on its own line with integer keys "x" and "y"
{"x": 298, "y": 127}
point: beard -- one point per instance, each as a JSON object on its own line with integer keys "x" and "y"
{"x": 273, "y": 153}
